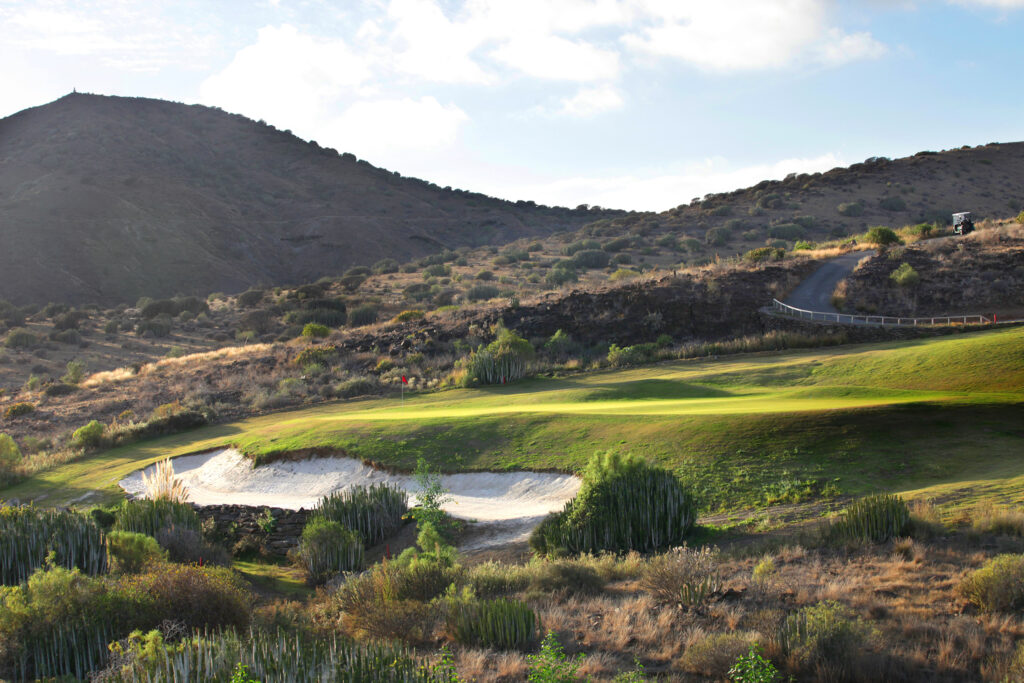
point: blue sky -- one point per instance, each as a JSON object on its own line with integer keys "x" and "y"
{"x": 640, "y": 104}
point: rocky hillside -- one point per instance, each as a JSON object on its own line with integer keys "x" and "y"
{"x": 106, "y": 199}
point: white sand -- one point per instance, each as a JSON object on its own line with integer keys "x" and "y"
{"x": 513, "y": 502}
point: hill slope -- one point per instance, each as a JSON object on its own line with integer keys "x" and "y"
{"x": 105, "y": 199}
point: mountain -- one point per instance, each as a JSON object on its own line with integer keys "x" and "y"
{"x": 106, "y": 199}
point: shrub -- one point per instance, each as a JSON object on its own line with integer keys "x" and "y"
{"x": 551, "y": 665}
{"x": 827, "y": 636}
{"x": 151, "y": 516}
{"x": 683, "y": 575}
{"x": 10, "y": 454}
{"x": 618, "y": 244}
{"x": 787, "y": 231}
{"x": 20, "y": 338}
{"x": 250, "y": 298}
{"x": 505, "y": 359}
{"x": 59, "y": 389}
{"x": 315, "y": 331}
{"x": 893, "y": 204}
{"x": 1020, "y": 217}
{"x": 320, "y": 315}
{"x": 365, "y": 314}
{"x": 28, "y": 535}
{"x": 327, "y": 548}
{"x": 406, "y": 316}
{"x": 624, "y": 504}
{"x": 196, "y": 596}
{"x": 436, "y": 270}
{"x": 881, "y": 236}
{"x": 851, "y": 209}
{"x": 571, "y": 576}
{"x": 717, "y": 237}
{"x": 803, "y": 245}
{"x": 89, "y": 436}
{"x": 18, "y": 409}
{"x": 998, "y": 586}
{"x": 157, "y": 327}
{"x": 631, "y": 355}
{"x": 905, "y": 275}
{"x": 321, "y": 355}
{"x": 581, "y": 245}
{"x": 560, "y": 275}
{"x": 481, "y": 292}
{"x": 764, "y": 254}
{"x": 356, "y": 386}
{"x": 590, "y": 258}
{"x": 375, "y": 512}
{"x": 753, "y": 668}
{"x": 877, "y": 518}
{"x": 186, "y": 545}
{"x": 491, "y": 579}
{"x": 712, "y": 655}
{"x": 500, "y": 624}
{"x": 386, "y": 265}
{"x": 70, "y": 337}
{"x": 129, "y": 552}
{"x": 623, "y": 274}
{"x": 370, "y": 607}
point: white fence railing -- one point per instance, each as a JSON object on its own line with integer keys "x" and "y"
{"x": 849, "y": 319}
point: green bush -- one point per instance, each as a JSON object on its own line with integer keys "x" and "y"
{"x": 717, "y": 237}
{"x": 356, "y": 386}
{"x": 551, "y": 665}
{"x": 624, "y": 504}
{"x": 89, "y": 436}
{"x": 18, "y": 409}
{"x": 481, "y": 292}
{"x": 499, "y": 624}
{"x": 327, "y": 549}
{"x": 198, "y": 597}
{"x": 1020, "y": 217}
{"x": 407, "y": 316}
{"x": 581, "y": 245}
{"x": 375, "y": 512}
{"x": 803, "y": 245}
{"x": 28, "y": 535}
{"x": 10, "y": 455}
{"x": 998, "y": 586}
{"x": 851, "y": 209}
{"x": 149, "y": 517}
{"x": 485, "y": 276}
{"x": 632, "y": 355}
{"x": 320, "y": 315}
{"x": 317, "y": 355}
{"x": 365, "y": 314}
{"x": 69, "y": 337}
{"x": 881, "y": 236}
{"x": 250, "y": 298}
{"x": 893, "y": 204}
{"x": 618, "y": 244}
{"x": 826, "y": 637}
{"x": 436, "y": 270}
{"x": 20, "y": 338}
{"x": 75, "y": 372}
{"x": 764, "y": 254}
{"x": 590, "y": 258}
{"x": 787, "y": 231}
{"x": 157, "y": 327}
{"x": 129, "y": 552}
{"x": 315, "y": 331}
{"x": 754, "y": 668}
{"x": 59, "y": 389}
{"x": 562, "y": 274}
{"x": 877, "y": 518}
{"x": 905, "y": 275}
{"x": 505, "y": 359}
{"x": 683, "y": 575}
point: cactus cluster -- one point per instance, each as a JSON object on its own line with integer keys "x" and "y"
{"x": 328, "y": 548}
{"x": 624, "y": 504}
{"x": 278, "y": 657}
{"x": 375, "y": 512}
{"x": 877, "y": 518}
{"x": 29, "y": 534}
{"x": 147, "y": 516}
{"x": 500, "y": 624}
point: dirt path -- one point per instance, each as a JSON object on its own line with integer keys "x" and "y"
{"x": 815, "y": 293}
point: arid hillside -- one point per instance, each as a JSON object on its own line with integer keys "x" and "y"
{"x": 106, "y": 199}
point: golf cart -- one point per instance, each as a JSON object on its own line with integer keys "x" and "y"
{"x": 962, "y": 224}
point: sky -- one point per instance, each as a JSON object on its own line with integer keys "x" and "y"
{"x": 633, "y": 104}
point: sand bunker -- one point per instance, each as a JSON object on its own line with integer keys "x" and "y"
{"x": 509, "y": 504}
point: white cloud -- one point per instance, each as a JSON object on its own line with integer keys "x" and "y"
{"x": 745, "y": 35}
{"x": 657, "y": 192}
{"x": 555, "y": 58}
{"x": 590, "y": 101}
{"x": 429, "y": 45}
{"x": 287, "y": 77}
{"x": 376, "y": 130}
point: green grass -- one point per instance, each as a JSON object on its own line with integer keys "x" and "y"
{"x": 895, "y": 416}
{"x": 278, "y": 578}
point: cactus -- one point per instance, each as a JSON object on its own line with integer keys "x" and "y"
{"x": 500, "y": 624}
{"x": 875, "y": 518}
{"x": 328, "y": 548}
{"x": 375, "y": 512}
{"x": 150, "y": 516}
{"x": 28, "y": 534}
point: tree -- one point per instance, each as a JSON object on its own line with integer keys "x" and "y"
{"x": 881, "y": 236}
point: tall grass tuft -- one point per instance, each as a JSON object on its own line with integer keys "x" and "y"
{"x": 276, "y": 657}
{"x": 624, "y": 504}
{"x": 163, "y": 485}
{"x": 375, "y": 511}
{"x": 500, "y": 624}
{"x": 876, "y": 518}
{"x": 28, "y": 535}
{"x": 151, "y": 516}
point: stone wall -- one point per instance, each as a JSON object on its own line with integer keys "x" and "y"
{"x": 244, "y": 524}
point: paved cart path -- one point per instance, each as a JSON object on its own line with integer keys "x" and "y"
{"x": 815, "y": 293}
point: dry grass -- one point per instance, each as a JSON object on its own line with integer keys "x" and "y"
{"x": 122, "y": 374}
{"x": 163, "y": 485}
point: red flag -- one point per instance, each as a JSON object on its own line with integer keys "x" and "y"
{"x": 404, "y": 380}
